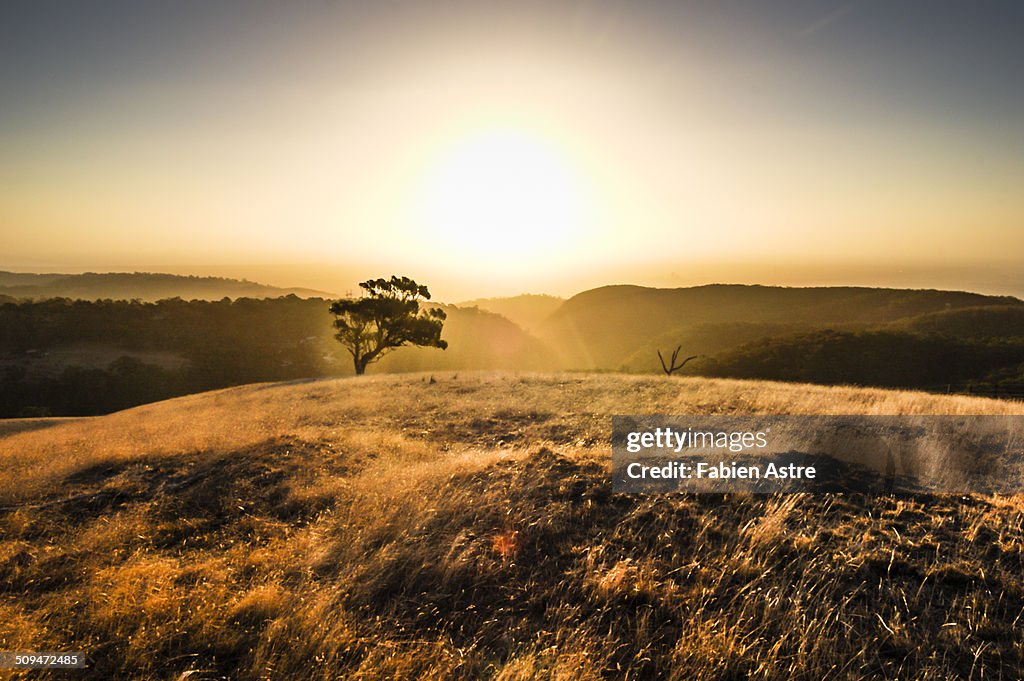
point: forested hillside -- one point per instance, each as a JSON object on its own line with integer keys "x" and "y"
{"x": 62, "y": 357}
{"x": 604, "y": 327}
{"x": 65, "y": 357}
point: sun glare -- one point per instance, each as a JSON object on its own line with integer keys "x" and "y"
{"x": 501, "y": 196}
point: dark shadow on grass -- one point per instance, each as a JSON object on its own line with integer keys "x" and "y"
{"x": 14, "y": 426}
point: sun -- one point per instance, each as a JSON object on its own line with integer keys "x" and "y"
{"x": 503, "y": 196}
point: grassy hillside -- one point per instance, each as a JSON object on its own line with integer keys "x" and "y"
{"x": 604, "y": 328}
{"x": 148, "y": 286}
{"x": 394, "y": 527}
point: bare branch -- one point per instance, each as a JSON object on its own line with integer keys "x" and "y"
{"x": 672, "y": 367}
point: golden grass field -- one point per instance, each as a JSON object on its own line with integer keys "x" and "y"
{"x": 400, "y": 527}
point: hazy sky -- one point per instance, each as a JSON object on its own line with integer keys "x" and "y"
{"x": 496, "y": 147}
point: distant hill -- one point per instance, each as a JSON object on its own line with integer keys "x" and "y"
{"x": 992, "y": 321}
{"x": 67, "y": 357}
{"x": 604, "y": 327}
{"x": 528, "y": 310}
{"x": 147, "y": 286}
{"x": 477, "y": 339}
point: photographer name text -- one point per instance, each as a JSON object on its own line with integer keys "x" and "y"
{"x": 672, "y": 440}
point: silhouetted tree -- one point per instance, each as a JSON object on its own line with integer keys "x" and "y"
{"x": 671, "y": 367}
{"x": 387, "y": 316}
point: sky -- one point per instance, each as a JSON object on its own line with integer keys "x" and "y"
{"x": 492, "y": 148}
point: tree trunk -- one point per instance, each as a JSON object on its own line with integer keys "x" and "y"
{"x": 360, "y": 365}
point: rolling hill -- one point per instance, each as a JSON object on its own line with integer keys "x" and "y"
{"x": 464, "y": 528}
{"x": 529, "y": 311}
{"x": 477, "y": 339}
{"x": 604, "y": 328}
{"x": 62, "y": 357}
{"x": 147, "y": 286}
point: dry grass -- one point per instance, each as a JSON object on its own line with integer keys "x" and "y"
{"x": 396, "y": 528}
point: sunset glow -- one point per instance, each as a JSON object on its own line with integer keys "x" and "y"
{"x": 496, "y": 148}
{"x": 502, "y": 196}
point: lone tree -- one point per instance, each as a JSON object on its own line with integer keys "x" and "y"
{"x": 385, "y": 317}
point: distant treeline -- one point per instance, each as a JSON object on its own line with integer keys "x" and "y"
{"x": 65, "y": 357}
{"x": 890, "y": 359}
{"x": 214, "y": 345}
{"x": 222, "y": 343}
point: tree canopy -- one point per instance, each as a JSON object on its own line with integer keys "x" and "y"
{"x": 387, "y": 316}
